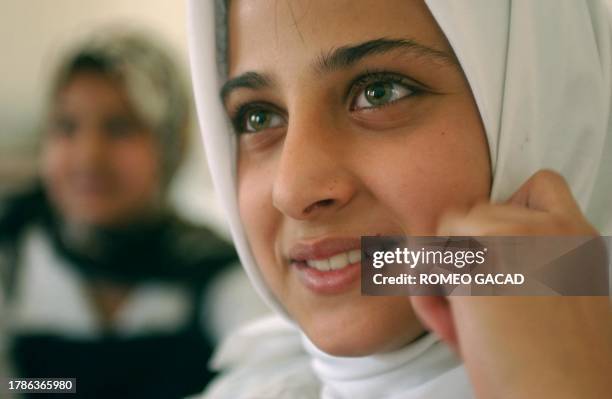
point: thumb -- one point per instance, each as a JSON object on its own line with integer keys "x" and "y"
{"x": 546, "y": 191}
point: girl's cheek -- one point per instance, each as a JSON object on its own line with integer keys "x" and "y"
{"x": 406, "y": 201}
{"x": 254, "y": 210}
{"x": 259, "y": 217}
{"x": 420, "y": 183}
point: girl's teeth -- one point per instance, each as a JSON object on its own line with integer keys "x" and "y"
{"x": 336, "y": 262}
{"x": 322, "y": 264}
{"x": 354, "y": 256}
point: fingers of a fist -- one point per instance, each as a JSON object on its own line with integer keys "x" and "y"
{"x": 488, "y": 220}
{"x": 543, "y": 205}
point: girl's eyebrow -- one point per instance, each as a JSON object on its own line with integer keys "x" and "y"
{"x": 249, "y": 80}
{"x": 342, "y": 58}
{"x": 347, "y": 56}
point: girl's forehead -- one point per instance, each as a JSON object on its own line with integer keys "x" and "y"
{"x": 267, "y": 33}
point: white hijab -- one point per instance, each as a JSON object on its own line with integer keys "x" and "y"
{"x": 541, "y": 74}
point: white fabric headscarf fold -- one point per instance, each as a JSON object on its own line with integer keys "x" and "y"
{"x": 541, "y": 75}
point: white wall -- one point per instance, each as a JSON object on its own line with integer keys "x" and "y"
{"x": 33, "y": 34}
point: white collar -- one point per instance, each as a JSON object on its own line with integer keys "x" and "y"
{"x": 425, "y": 369}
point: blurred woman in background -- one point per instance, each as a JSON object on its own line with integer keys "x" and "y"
{"x": 104, "y": 282}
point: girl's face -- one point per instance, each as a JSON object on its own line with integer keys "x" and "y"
{"x": 100, "y": 163}
{"x": 354, "y": 118}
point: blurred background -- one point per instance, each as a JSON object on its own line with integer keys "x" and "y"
{"x": 35, "y": 34}
{"x": 114, "y": 264}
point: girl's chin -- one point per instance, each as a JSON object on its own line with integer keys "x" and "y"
{"x": 357, "y": 342}
{"x": 351, "y": 346}
{"x": 371, "y": 325}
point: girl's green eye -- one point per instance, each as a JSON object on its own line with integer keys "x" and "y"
{"x": 380, "y": 93}
{"x": 261, "y": 119}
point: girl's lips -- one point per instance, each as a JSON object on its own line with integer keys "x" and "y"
{"x": 328, "y": 282}
{"x": 322, "y": 248}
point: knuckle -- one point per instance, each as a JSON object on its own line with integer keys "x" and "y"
{"x": 548, "y": 176}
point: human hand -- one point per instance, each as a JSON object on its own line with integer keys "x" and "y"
{"x": 526, "y": 347}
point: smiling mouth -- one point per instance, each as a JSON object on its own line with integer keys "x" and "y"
{"x": 328, "y": 265}
{"x": 335, "y": 262}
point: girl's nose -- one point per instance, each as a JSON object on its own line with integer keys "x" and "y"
{"x": 311, "y": 178}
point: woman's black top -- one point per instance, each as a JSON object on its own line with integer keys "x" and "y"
{"x": 145, "y": 365}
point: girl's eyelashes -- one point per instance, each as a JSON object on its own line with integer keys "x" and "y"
{"x": 369, "y": 91}
{"x": 378, "y": 89}
{"x": 255, "y": 117}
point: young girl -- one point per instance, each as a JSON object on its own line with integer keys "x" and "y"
{"x": 420, "y": 118}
